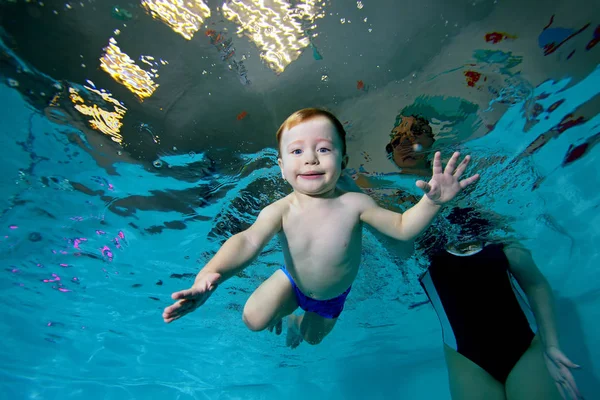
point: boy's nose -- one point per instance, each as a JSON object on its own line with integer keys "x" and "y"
{"x": 311, "y": 158}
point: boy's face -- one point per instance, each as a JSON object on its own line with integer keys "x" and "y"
{"x": 311, "y": 156}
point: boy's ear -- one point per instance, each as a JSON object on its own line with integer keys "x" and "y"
{"x": 345, "y": 161}
{"x": 280, "y": 163}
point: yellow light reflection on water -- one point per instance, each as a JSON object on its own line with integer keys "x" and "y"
{"x": 107, "y": 122}
{"x": 184, "y": 17}
{"x": 124, "y": 70}
{"x": 277, "y": 28}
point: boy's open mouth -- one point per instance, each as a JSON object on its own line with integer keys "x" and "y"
{"x": 312, "y": 175}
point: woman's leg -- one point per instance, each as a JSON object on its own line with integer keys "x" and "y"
{"x": 529, "y": 378}
{"x": 468, "y": 381}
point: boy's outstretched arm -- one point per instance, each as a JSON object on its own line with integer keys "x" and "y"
{"x": 233, "y": 256}
{"x": 443, "y": 187}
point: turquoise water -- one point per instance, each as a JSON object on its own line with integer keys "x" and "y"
{"x": 95, "y": 236}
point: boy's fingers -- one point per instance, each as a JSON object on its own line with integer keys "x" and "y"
{"x": 171, "y": 309}
{"x": 182, "y": 294}
{"x": 437, "y": 163}
{"x": 214, "y": 278}
{"x": 424, "y": 186}
{"x": 181, "y": 305}
{"x": 452, "y": 163}
{"x": 168, "y": 317}
{"x": 462, "y": 167}
{"x": 466, "y": 182}
{"x": 171, "y": 319}
{"x": 174, "y": 312}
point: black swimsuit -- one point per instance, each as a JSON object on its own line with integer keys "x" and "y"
{"x": 481, "y": 308}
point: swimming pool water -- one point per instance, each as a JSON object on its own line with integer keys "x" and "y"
{"x": 91, "y": 253}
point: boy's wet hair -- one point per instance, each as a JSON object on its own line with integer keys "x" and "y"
{"x": 307, "y": 114}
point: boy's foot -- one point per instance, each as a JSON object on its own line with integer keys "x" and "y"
{"x": 278, "y": 327}
{"x": 294, "y": 336}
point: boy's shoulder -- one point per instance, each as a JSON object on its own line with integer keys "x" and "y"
{"x": 356, "y": 199}
{"x": 352, "y": 196}
{"x": 277, "y": 207}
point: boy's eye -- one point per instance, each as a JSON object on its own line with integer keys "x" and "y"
{"x": 324, "y": 150}
{"x": 297, "y": 151}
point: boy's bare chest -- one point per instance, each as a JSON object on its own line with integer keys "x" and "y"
{"x": 321, "y": 226}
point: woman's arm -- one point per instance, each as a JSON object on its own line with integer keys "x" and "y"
{"x": 540, "y": 297}
{"x": 537, "y": 289}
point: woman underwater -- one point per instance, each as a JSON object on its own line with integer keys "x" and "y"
{"x": 484, "y": 295}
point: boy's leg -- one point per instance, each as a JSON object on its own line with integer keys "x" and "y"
{"x": 310, "y": 327}
{"x": 270, "y": 302}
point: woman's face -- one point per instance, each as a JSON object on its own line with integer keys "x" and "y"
{"x": 409, "y": 147}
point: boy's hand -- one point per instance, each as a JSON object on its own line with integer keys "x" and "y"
{"x": 444, "y": 186}
{"x": 190, "y": 299}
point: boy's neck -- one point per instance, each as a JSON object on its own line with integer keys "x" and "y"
{"x": 306, "y": 199}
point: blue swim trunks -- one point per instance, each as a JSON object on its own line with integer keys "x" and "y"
{"x": 331, "y": 308}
